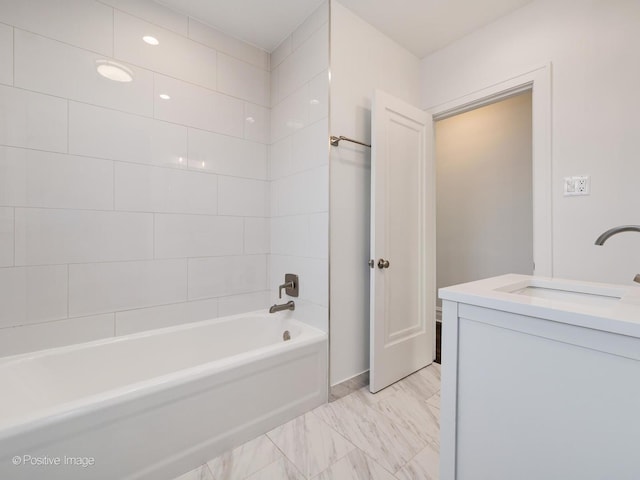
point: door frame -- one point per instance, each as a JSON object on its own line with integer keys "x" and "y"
{"x": 538, "y": 80}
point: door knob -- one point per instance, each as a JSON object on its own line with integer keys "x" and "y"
{"x": 382, "y": 263}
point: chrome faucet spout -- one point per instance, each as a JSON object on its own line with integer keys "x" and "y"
{"x": 284, "y": 306}
{"x": 614, "y": 231}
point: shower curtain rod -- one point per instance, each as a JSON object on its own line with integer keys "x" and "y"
{"x": 336, "y": 140}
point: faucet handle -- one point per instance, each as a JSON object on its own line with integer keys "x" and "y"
{"x": 290, "y": 285}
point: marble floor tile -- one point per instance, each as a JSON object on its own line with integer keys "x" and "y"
{"x": 356, "y": 465}
{"x": 434, "y": 404}
{"x": 200, "y": 473}
{"x": 281, "y": 469}
{"x": 432, "y": 374}
{"x": 365, "y": 396}
{"x": 245, "y": 460}
{"x": 423, "y": 384}
{"x": 310, "y": 443}
{"x": 390, "y": 444}
{"x": 413, "y": 414}
{"x": 424, "y": 466}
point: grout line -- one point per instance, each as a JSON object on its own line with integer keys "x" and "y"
{"x": 14, "y": 237}
{"x": 68, "y": 290}
{"x": 218, "y": 194}
{"x": 113, "y": 187}
{"x": 284, "y": 455}
{"x": 188, "y": 35}
{"x": 13, "y": 52}
{"x": 68, "y": 317}
{"x": 153, "y": 97}
{"x": 244, "y": 236}
{"x": 150, "y": 165}
{"x": 188, "y": 298}
{"x": 153, "y": 236}
{"x": 68, "y": 125}
{"x": 113, "y": 32}
{"x": 157, "y": 260}
{"x": 141, "y": 67}
{"x": 140, "y": 212}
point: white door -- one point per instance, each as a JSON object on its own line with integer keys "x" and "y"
{"x": 402, "y": 241}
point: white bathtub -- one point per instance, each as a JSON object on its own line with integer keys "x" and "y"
{"x": 155, "y": 404}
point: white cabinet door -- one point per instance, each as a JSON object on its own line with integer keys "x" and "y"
{"x": 402, "y": 234}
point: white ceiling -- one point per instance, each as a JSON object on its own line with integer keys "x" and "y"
{"x": 263, "y": 23}
{"x": 421, "y": 26}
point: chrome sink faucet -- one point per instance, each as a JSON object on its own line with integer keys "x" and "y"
{"x": 614, "y": 231}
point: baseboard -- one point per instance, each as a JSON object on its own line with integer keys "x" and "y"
{"x": 349, "y": 386}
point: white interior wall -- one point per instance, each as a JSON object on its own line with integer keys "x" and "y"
{"x": 362, "y": 60}
{"x": 484, "y": 224}
{"x": 299, "y": 171}
{"x": 591, "y": 45}
{"x": 120, "y": 211}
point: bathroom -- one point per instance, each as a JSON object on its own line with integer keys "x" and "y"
{"x": 164, "y": 166}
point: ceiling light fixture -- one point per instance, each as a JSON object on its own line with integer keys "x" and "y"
{"x": 151, "y": 40}
{"x": 114, "y": 71}
{"x": 164, "y": 96}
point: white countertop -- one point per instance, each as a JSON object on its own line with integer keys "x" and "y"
{"x": 600, "y": 306}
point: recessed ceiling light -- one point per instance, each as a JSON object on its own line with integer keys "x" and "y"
{"x": 164, "y": 96}
{"x": 151, "y": 40}
{"x": 114, "y": 71}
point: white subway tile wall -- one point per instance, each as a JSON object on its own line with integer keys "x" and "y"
{"x": 6, "y": 235}
{"x": 102, "y": 133}
{"x": 32, "y": 120}
{"x": 85, "y": 24}
{"x": 55, "y": 334}
{"x": 65, "y": 71}
{"x": 153, "y": 12}
{"x": 122, "y": 211}
{"x": 6, "y": 54}
{"x": 33, "y": 178}
{"x": 298, "y": 159}
{"x": 112, "y": 286}
{"x": 174, "y": 55}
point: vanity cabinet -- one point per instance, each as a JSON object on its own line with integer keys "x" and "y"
{"x": 540, "y": 380}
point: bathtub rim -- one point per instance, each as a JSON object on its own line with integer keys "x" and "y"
{"x": 138, "y": 390}
{"x": 146, "y": 333}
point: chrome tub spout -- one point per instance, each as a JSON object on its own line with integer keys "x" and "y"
{"x": 284, "y": 306}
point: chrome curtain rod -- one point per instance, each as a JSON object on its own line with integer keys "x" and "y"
{"x": 335, "y": 141}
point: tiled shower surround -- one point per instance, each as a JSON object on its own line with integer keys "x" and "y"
{"x": 299, "y": 159}
{"x": 121, "y": 211}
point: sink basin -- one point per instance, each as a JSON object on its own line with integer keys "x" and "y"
{"x": 566, "y": 291}
{"x": 567, "y": 296}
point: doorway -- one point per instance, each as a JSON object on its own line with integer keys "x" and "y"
{"x": 484, "y": 193}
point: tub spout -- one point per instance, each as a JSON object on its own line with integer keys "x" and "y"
{"x": 284, "y": 306}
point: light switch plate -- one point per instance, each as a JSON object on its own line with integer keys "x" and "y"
{"x": 578, "y": 185}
